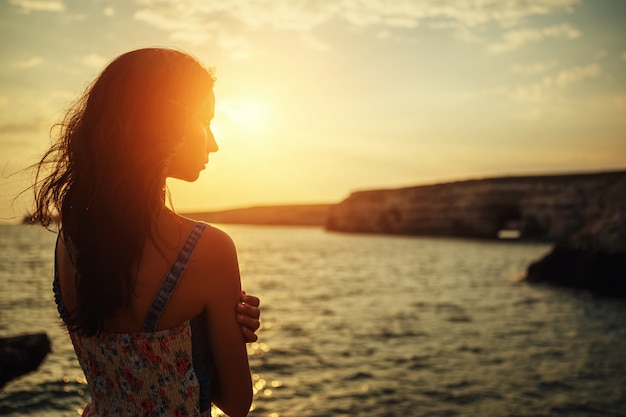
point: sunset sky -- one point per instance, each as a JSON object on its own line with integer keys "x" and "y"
{"x": 316, "y": 99}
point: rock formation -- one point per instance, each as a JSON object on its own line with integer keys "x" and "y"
{"x": 22, "y": 354}
{"x": 592, "y": 257}
{"x": 583, "y": 214}
{"x": 542, "y": 207}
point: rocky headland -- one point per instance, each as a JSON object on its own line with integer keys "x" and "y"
{"x": 539, "y": 207}
{"x": 583, "y": 214}
{"x": 592, "y": 256}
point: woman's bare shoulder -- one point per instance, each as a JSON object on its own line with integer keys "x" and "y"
{"x": 217, "y": 236}
{"x": 213, "y": 274}
{"x": 215, "y": 252}
{"x": 213, "y": 240}
{"x": 217, "y": 244}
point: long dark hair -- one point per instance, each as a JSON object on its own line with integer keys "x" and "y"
{"x": 104, "y": 177}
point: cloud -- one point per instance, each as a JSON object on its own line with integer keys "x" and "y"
{"x": 108, "y": 11}
{"x": 519, "y": 37}
{"x": 20, "y": 127}
{"x": 28, "y": 63}
{"x": 603, "y": 53}
{"x": 238, "y": 47}
{"x": 314, "y": 42}
{"x": 180, "y": 22}
{"x": 547, "y": 87}
{"x": 536, "y": 92}
{"x": 536, "y": 68}
{"x": 198, "y": 21}
{"x": 28, "y": 6}
{"x": 94, "y": 60}
{"x": 566, "y": 78}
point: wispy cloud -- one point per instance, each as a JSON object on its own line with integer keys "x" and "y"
{"x": 181, "y": 22}
{"x": 240, "y": 48}
{"x": 94, "y": 60}
{"x": 519, "y": 37}
{"x": 566, "y": 78}
{"x": 28, "y": 6}
{"x": 603, "y": 53}
{"x": 533, "y": 69}
{"x": 198, "y": 21}
{"x": 314, "y": 42}
{"x": 31, "y": 62}
{"x": 549, "y": 85}
{"x": 20, "y": 127}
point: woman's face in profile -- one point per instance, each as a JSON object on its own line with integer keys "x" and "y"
{"x": 197, "y": 143}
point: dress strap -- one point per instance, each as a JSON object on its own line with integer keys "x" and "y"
{"x": 173, "y": 276}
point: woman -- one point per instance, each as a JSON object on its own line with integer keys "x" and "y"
{"x": 151, "y": 299}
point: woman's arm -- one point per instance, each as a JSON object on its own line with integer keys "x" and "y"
{"x": 232, "y": 392}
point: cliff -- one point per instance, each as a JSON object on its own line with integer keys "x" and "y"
{"x": 583, "y": 214}
{"x": 534, "y": 207}
{"x": 593, "y": 257}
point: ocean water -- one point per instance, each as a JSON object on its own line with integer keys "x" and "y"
{"x": 364, "y": 325}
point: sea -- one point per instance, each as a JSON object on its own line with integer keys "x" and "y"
{"x": 368, "y": 325}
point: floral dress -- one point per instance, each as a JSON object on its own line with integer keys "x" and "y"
{"x": 150, "y": 373}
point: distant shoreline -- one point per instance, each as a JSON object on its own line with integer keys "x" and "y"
{"x": 279, "y": 215}
{"x": 317, "y": 214}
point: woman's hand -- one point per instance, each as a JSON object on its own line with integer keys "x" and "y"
{"x": 248, "y": 314}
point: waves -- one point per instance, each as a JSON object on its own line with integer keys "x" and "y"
{"x": 386, "y": 326}
{"x": 55, "y": 398}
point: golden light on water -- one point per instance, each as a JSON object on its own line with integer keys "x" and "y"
{"x": 257, "y": 349}
{"x": 261, "y": 387}
{"x": 258, "y": 386}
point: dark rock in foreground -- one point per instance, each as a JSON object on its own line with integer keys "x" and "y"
{"x": 22, "y": 354}
{"x": 593, "y": 257}
{"x": 600, "y": 272}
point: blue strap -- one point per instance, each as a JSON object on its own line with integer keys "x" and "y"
{"x": 173, "y": 276}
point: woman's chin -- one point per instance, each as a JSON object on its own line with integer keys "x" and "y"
{"x": 193, "y": 178}
{"x": 188, "y": 177}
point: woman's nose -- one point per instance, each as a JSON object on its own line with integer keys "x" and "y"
{"x": 211, "y": 143}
